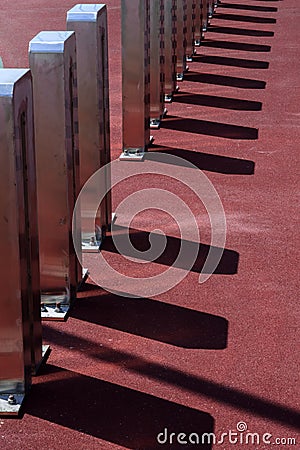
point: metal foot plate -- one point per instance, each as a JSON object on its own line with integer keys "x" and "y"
{"x": 54, "y": 312}
{"x": 154, "y": 124}
{"x": 132, "y": 156}
{"x": 10, "y": 404}
{"x": 168, "y": 98}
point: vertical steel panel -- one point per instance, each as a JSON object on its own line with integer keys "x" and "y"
{"x": 170, "y": 49}
{"x": 156, "y": 62}
{"x": 197, "y": 22}
{"x": 20, "y": 327}
{"x": 210, "y": 8}
{"x": 190, "y": 30}
{"x": 52, "y": 59}
{"x": 204, "y": 15}
{"x": 135, "y": 76}
{"x": 89, "y": 21}
{"x": 181, "y": 17}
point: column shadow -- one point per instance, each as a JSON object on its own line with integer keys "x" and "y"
{"x": 240, "y": 31}
{"x": 235, "y": 62}
{"x": 208, "y": 128}
{"x": 217, "y": 101}
{"x": 140, "y": 242}
{"x": 155, "y": 320}
{"x": 206, "y": 161}
{"x": 249, "y": 7}
{"x": 242, "y": 18}
{"x": 236, "y": 46}
{"x": 224, "y": 80}
{"x": 116, "y": 414}
{"x": 196, "y": 385}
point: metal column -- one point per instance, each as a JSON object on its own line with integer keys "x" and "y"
{"x": 20, "y": 320}
{"x": 89, "y": 21}
{"x": 204, "y": 16}
{"x": 156, "y": 62}
{"x": 190, "y": 31}
{"x": 135, "y": 78}
{"x": 197, "y": 22}
{"x": 181, "y": 17}
{"x": 52, "y": 59}
{"x": 210, "y": 8}
{"x": 170, "y": 49}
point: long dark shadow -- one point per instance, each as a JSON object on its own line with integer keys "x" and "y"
{"x": 240, "y": 31}
{"x": 236, "y": 46}
{"x": 248, "y": 7}
{"x": 155, "y": 320}
{"x": 241, "y": 18}
{"x": 107, "y": 411}
{"x": 198, "y": 385}
{"x": 208, "y": 128}
{"x": 206, "y": 161}
{"x": 236, "y": 62}
{"x": 217, "y": 102}
{"x": 139, "y": 242}
{"x": 224, "y": 80}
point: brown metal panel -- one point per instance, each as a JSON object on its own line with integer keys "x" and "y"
{"x": 170, "y": 49}
{"x": 197, "y": 22}
{"x": 135, "y": 76}
{"x": 89, "y": 21}
{"x": 19, "y": 301}
{"x": 204, "y": 15}
{"x": 190, "y": 30}
{"x": 52, "y": 59}
{"x": 181, "y": 17}
{"x": 156, "y": 62}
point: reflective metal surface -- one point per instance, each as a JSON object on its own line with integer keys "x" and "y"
{"x": 210, "y": 8}
{"x": 170, "y": 49}
{"x": 204, "y": 15}
{"x": 20, "y": 327}
{"x": 52, "y": 60}
{"x": 197, "y": 22}
{"x": 181, "y": 17}
{"x": 89, "y": 21}
{"x": 135, "y": 77}
{"x": 156, "y": 62}
{"x": 190, "y": 30}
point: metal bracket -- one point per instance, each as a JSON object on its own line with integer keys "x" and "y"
{"x": 168, "y": 98}
{"x": 154, "y": 124}
{"x": 10, "y": 404}
{"x": 132, "y": 155}
{"x": 55, "y": 306}
{"x": 179, "y": 77}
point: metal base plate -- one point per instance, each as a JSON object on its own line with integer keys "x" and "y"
{"x": 88, "y": 247}
{"x": 164, "y": 113}
{"x": 132, "y": 156}
{"x": 197, "y": 42}
{"x": 168, "y": 98}
{"x": 7, "y": 409}
{"x": 179, "y": 77}
{"x": 154, "y": 124}
{"x": 53, "y": 314}
{"x": 189, "y": 58}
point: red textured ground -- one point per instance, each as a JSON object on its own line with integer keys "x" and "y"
{"x": 199, "y": 358}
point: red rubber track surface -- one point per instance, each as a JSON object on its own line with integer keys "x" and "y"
{"x": 199, "y": 358}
